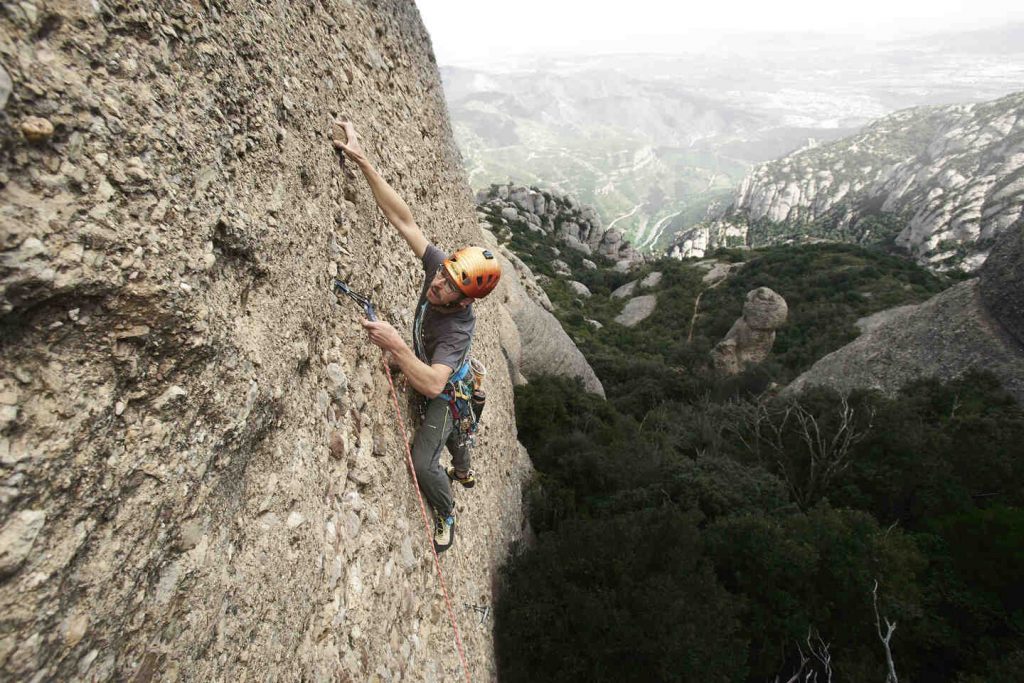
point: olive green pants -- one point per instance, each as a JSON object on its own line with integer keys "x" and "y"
{"x": 437, "y": 430}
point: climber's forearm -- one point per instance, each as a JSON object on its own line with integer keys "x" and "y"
{"x": 394, "y": 207}
{"x": 428, "y": 380}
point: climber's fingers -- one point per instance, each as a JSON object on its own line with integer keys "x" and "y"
{"x": 383, "y": 335}
{"x": 345, "y": 138}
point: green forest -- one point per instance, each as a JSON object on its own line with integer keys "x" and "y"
{"x": 697, "y": 527}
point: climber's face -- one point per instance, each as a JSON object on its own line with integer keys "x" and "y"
{"x": 442, "y": 291}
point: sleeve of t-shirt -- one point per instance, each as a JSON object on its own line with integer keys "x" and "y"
{"x": 451, "y": 349}
{"x": 432, "y": 258}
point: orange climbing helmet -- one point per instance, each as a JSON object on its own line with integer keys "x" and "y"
{"x": 474, "y": 270}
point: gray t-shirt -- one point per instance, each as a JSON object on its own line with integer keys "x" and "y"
{"x": 440, "y": 337}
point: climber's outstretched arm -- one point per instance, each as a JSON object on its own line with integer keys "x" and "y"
{"x": 394, "y": 208}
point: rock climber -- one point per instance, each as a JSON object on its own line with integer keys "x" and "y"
{"x": 442, "y": 333}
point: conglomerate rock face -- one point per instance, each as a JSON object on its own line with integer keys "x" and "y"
{"x": 200, "y": 474}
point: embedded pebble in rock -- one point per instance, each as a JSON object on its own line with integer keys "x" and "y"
{"x": 36, "y": 129}
{"x": 6, "y": 86}
{"x": 338, "y": 445}
{"x": 75, "y": 628}
{"x": 190, "y": 487}
{"x": 17, "y": 538}
{"x": 338, "y": 381}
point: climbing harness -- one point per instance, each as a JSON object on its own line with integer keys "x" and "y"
{"x": 364, "y": 301}
{"x": 465, "y": 399}
{"x": 460, "y": 393}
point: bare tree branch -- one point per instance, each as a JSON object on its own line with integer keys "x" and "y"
{"x": 890, "y": 629}
{"x": 821, "y": 451}
{"x": 819, "y": 648}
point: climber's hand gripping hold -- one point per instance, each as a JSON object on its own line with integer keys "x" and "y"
{"x": 384, "y": 335}
{"x": 350, "y": 145}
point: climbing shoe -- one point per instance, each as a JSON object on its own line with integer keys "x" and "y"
{"x": 444, "y": 531}
{"x": 467, "y": 482}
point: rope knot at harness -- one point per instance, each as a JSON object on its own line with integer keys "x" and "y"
{"x": 341, "y": 288}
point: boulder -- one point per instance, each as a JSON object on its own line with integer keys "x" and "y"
{"x": 539, "y": 204}
{"x": 520, "y": 196}
{"x": 573, "y": 242}
{"x": 651, "y": 280}
{"x": 509, "y": 213}
{"x": 625, "y": 290}
{"x": 717, "y": 272}
{"x": 636, "y": 309}
{"x": 764, "y": 309}
{"x": 580, "y": 289}
{"x": 944, "y": 337}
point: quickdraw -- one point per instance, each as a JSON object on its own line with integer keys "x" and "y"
{"x": 361, "y": 299}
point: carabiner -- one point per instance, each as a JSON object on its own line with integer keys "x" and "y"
{"x": 361, "y": 299}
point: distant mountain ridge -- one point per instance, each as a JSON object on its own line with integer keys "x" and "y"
{"x": 658, "y": 143}
{"x": 939, "y": 182}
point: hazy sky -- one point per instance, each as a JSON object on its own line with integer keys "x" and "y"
{"x": 478, "y": 30}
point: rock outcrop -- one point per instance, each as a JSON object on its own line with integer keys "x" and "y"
{"x": 1002, "y": 281}
{"x": 534, "y": 342}
{"x": 578, "y": 227}
{"x": 977, "y": 324}
{"x": 201, "y": 473}
{"x": 637, "y": 309}
{"x": 942, "y": 182}
{"x": 750, "y": 339}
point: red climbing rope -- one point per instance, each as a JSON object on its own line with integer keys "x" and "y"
{"x": 426, "y": 520}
